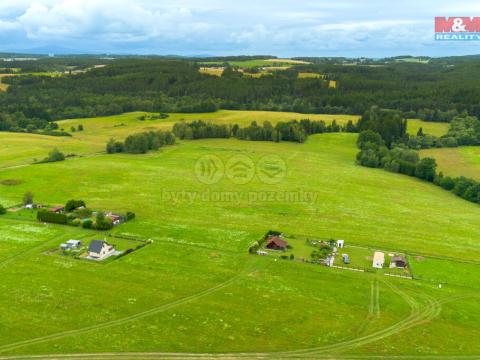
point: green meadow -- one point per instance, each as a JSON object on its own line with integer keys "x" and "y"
{"x": 19, "y": 149}
{"x": 461, "y": 161}
{"x": 197, "y": 279}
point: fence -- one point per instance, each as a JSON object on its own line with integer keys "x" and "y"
{"x": 399, "y": 276}
{"x": 347, "y": 268}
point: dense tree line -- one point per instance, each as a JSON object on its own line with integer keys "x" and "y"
{"x": 463, "y": 130}
{"x": 141, "y": 143}
{"x": 294, "y": 131}
{"x": 434, "y": 92}
{"x": 374, "y": 153}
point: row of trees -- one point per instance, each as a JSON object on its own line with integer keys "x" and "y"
{"x": 294, "y": 131}
{"x": 374, "y": 153}
{"x": 141, "y": 143}
{"x": 463, "y": 130}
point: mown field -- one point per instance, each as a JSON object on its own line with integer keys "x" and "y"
{"x": 197, "y": 279}
{"x": 18, "y": 149}
{"x": 461, "y": 161}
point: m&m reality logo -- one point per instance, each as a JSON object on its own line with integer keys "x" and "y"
{"x": 457, "y": 28}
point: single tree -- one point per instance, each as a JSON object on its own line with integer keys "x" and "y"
{"x": 28, "y": 198}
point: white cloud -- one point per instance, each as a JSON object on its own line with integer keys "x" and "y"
{"x": 278, "y": 27}
{"x": 9, "y": 25}
{"x": 109, "y": 20}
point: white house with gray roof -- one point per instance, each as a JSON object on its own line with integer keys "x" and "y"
{"x": 99, "y": 249}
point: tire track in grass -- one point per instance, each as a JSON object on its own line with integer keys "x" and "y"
{"x": 371, "y": 309}
{"x": 143, "y": 314}
{"x": 420, "y": 314}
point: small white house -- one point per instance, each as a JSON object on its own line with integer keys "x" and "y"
{"x": 28, "y": 206}
{"x": 99, "y": 249}
{"x": 378, "y": 259}
{"x": 340, "y": 244}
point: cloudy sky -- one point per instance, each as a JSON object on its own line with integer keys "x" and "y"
{"x": 221, "y": 27}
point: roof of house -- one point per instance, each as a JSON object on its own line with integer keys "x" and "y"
{"x": 379, "y": 256}
{"x": 96, "y": 246}
{"x": 57, "y": 208}
{"x": 73, "y": 242}
{"x": 399, "y": 258}
{"x": 277, "y": 241}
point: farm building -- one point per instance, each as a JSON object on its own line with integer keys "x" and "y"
{"x": 98, "y": 249}
{"x": 398, "y": 261}
{"x": 275, "y": 243}
{"x": 340, "y": 244}
{"x": 345, "y": 259}
{"x": 378, "y": 259}
{"x": 57, "y": 209}
{"x": 116, "y": 219}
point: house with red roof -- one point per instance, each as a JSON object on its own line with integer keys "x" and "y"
{"x": 276, "y": 243}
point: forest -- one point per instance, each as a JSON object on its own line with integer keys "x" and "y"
{"x": 435, "y": 91}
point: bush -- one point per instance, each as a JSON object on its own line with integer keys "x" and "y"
{"x": 254, "y": 247}
{"x": 3, "y": 211}
{"x": 74, "y": 204}
{"x": 83, "y": 213}
{"x": 102, "y": 222}
{"x": 54, "y": 155}
{"x": 87, "y": 224}
{"x": 130, "y": 215}
{"x": 50, "y": 217}
{"x": 75, "y": 222}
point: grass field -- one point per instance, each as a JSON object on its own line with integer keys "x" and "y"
{"x": 19, "y": 149}
{"x": 196, "y": 278}
{"x": 308, "y": 75}
{"x": 461, "y": 161}
{"x": 259, "y": 63}
{"x": 430, "y": 128}
{"x": 211, "y": 71}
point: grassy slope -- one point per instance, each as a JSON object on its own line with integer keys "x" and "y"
{"x": 324, "y": 165}
{"x": 20, "y": 149}
{"x": 461, "y": 161}
{"x": 200, "y": 244}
